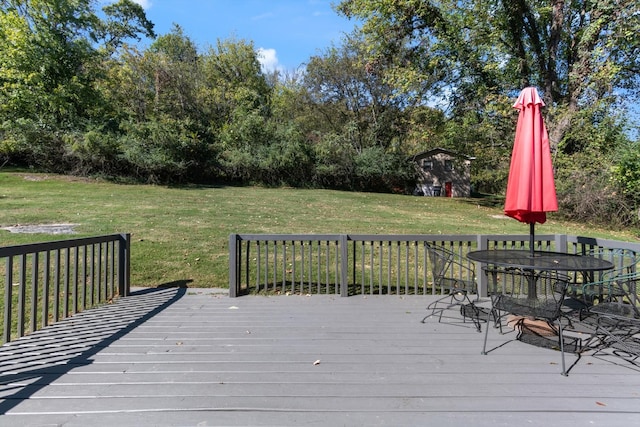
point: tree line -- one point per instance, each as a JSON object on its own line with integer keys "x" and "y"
{"x": 79, "y": 96}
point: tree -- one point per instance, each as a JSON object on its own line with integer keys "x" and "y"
{"x": 176, "y": 76}
{"x": 352, "y": 96}
{"x": 577, "y": 52}
{"x": 360, "y": 120}
{"x": 164, "y": 132}
{"x": 233, "y": 79}
{"x": 44, "y": 54}
{"x": 238, "y": 99}
{"x": 50, "y": 61}
{"x": 49, "y": 57}
{"x": 123, "y": 20}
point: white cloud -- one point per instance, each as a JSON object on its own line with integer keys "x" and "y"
{"x": 268, "y": 59}
{"x": 146, "y": 4}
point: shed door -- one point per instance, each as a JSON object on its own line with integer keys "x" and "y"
{"x": 448, "y": 188}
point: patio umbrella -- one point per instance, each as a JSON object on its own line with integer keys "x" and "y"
{"x": 531, "y": 190}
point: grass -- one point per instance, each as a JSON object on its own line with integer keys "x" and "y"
{"x": 181, "y": 234}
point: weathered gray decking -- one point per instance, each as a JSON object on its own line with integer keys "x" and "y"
{"x": 192, "y": 357}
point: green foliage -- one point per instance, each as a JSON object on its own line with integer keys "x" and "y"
{"x": 480, "y": 53}
{"x": 124, "y": 20}
{"x": 29, "y": 142}
{"x": 334, "y": 165}
{"x": 595, "y": 131}
{"x": 352, "y": 97}
{"x": 626, "y": 172}
{"x": 289, "y": 159}
{"x": 233, "y": 80}
{"x": 588, "y": 192}
{"x": 377, "y": 170}
{"x": 75, "y": 98}
{"x": 171, "y": 63}
{"x": 595, "y": 169}
{"x": 47, "y": 64}
{"x": 95, "y": 150}
{"x": 166, "y": 150}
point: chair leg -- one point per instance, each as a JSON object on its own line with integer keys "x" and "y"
{"x": 440, "y": 310}
{"x": 561, "y": 338}
{"x": 455, "y": 299}
{"x": 467, "y": 304}
{"x": 435, "y": 309}
{"x": 486, "y": 331}
{"x": 451, "y": 304}
{"x": 497, "y": 319}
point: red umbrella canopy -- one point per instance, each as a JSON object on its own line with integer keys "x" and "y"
{"x": 531, "y": 190}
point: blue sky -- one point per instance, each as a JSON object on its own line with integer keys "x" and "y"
{"x": 286, "y": 32}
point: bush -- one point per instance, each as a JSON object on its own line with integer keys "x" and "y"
{"x": 626, "y": 172}
{"x": 588, "y": 193}
{"x": 27, "y": 143}
{"x": 165, "y": 151}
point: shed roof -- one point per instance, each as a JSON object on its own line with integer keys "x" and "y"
{"x": 439, "y": 150}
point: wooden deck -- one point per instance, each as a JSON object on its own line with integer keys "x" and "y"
{"x": 194, "y": 357}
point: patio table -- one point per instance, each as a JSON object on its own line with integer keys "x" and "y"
{"x": 534, "y": 267}
{"x": 539, "y": 261}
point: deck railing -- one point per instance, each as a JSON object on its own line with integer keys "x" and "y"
{"x": 46, "y": 282}
{"x": 359, "y": 264}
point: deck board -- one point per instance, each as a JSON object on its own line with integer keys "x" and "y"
{"x": 196, "y": 357}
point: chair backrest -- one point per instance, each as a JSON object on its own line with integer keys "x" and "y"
{"x": 504, "y": 281}
{"x": 440, "y": 260}
{"x": 620, "y": 298}
{"x": 527, "y": 293}
{"x": 624, "y": 289}
{"x": 588, "y": 286}
{"x": 450, "y": 270}
{"x": 624, "y": 260}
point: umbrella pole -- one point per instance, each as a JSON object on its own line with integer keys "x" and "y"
{"x": 531, "y": 237}
{"x": 531, "y": 275}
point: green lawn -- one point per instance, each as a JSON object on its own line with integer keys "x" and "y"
{"x": 182, "y": 233}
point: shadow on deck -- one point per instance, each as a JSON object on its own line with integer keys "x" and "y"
{"x": 31, "y": 363}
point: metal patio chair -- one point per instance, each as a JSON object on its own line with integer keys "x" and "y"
{"x": 456, "y": 279}
{"x": 591, "y": 288}
{"x": 533, "y": 300}
{"x": 617, "y": 316}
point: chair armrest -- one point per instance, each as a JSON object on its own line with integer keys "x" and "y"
{"x": 590, "y": 293}
{"x": 619, "y": 286}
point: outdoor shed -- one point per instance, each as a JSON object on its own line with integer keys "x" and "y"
{"x": 443, "y": 173}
